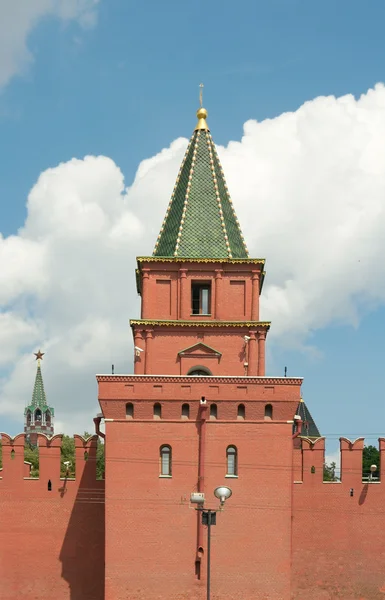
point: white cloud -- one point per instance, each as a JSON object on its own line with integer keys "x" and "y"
{"x": 19, "y": 17}
{"x": 308, "y": 187}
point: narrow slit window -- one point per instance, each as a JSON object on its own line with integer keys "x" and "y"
{"x": 165, "y": 461}
{"x": 213, "y": 411}
{"x": 241, "y": 412}
{"x": 232, "y": 461}
{"x": 157, "y": 411}
{"x": 129, "y": 410}
{"x": 201, "y": 298}
{"x": 185, "y": 411}
{"x": 268, "y": 411}
{"x": 49, "y": 485}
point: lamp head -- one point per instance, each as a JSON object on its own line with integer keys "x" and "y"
{"x": 222, "y": 493}
{"x": 373, "y": 468}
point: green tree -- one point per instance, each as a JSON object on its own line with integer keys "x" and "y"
{"x": 330, "y": 472}
{"x": 100, "y": 460}
{"x": 370, "y": 456}
{"x": 67, "y": 452}
{"x": 31, "y": 455}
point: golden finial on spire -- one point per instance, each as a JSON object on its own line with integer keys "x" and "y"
{"x": 201, "y": 94}
{"x": 202, "y": 112}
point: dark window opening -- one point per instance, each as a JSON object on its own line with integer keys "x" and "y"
{"x": 38, "y": 416}
{"x": 49, "y": 485}
{"x": 165, "y": 460}
{"x": 213, "y": 411}
{"x": 185, "y": 411}
{"x": 157, "y": 411}
{"x": 232, "y": 461}
{"x": 48, "y": 418}
{"x": 198, "y": 569}
{"x": 199, "y": 371}
{"x": 29, "y": 417}
{"x": 241, "y": 411}
{"x": 201, "y": 298}
{"x": 268, "y": 411}
{"x": 129, "y": 410}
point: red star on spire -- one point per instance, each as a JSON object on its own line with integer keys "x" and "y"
{"x": 39, "y": 355}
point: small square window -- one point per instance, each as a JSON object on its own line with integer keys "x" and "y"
{"x": 201, "y": 298}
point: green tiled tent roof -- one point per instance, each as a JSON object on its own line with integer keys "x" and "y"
{"x": 39, "y": 399}
{"x": 309, "y": 428}
{"x": 200, "y": 221}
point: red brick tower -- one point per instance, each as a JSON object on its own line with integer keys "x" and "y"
{"x": 38, "y": 416}
{"x": 199, "y": 336}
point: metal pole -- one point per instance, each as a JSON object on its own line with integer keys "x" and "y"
{"x": 208, "y": 551}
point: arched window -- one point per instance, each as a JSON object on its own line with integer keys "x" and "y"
{"x": 129, "y": 410}
{"x": 48, "y": 418}
{"x": 199, "y": 371}
{"x": 157, "y": 411}
{"x": 49, "y": 486}
{"x": 29, "y": 417}
{"x": 185, "y": 411}
{"x": 38, "y": 416}
{"x": 241, "y": 411}
{"x": 268, "y": 411}
{"x": 165, "y": 461}
{"x": 232, "y": 461}
{"x": 213, "y": 411}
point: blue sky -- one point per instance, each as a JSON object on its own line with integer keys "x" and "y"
{"x": 125, "y": 86}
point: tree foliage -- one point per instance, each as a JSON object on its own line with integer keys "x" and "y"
{"x": 67, "y": 453}
{"x": 31, "y": 455}
{"x": 330, "y": 472}
{"x": 370, "y": 456}
{"x": 100, "y": 460}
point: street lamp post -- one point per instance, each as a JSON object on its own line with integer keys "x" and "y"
{"x": 209, "y": 518}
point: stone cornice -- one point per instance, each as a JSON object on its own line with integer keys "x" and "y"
{"x": 157, "y": 322}
{"x": 197, "y": 379}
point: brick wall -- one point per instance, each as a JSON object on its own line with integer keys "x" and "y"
{"x": 52, "y": 542}
{"x": 151, "y": 529}
{"x": 338, "y": 541}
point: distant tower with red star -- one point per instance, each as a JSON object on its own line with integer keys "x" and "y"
{"x": 38, "y": 416}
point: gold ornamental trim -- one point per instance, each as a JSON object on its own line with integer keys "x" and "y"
{"x": 184, "y": 323}
{"x": 178, "y": 259}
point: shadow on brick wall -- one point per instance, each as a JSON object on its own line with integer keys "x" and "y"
{"x": 83, "y": 550}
